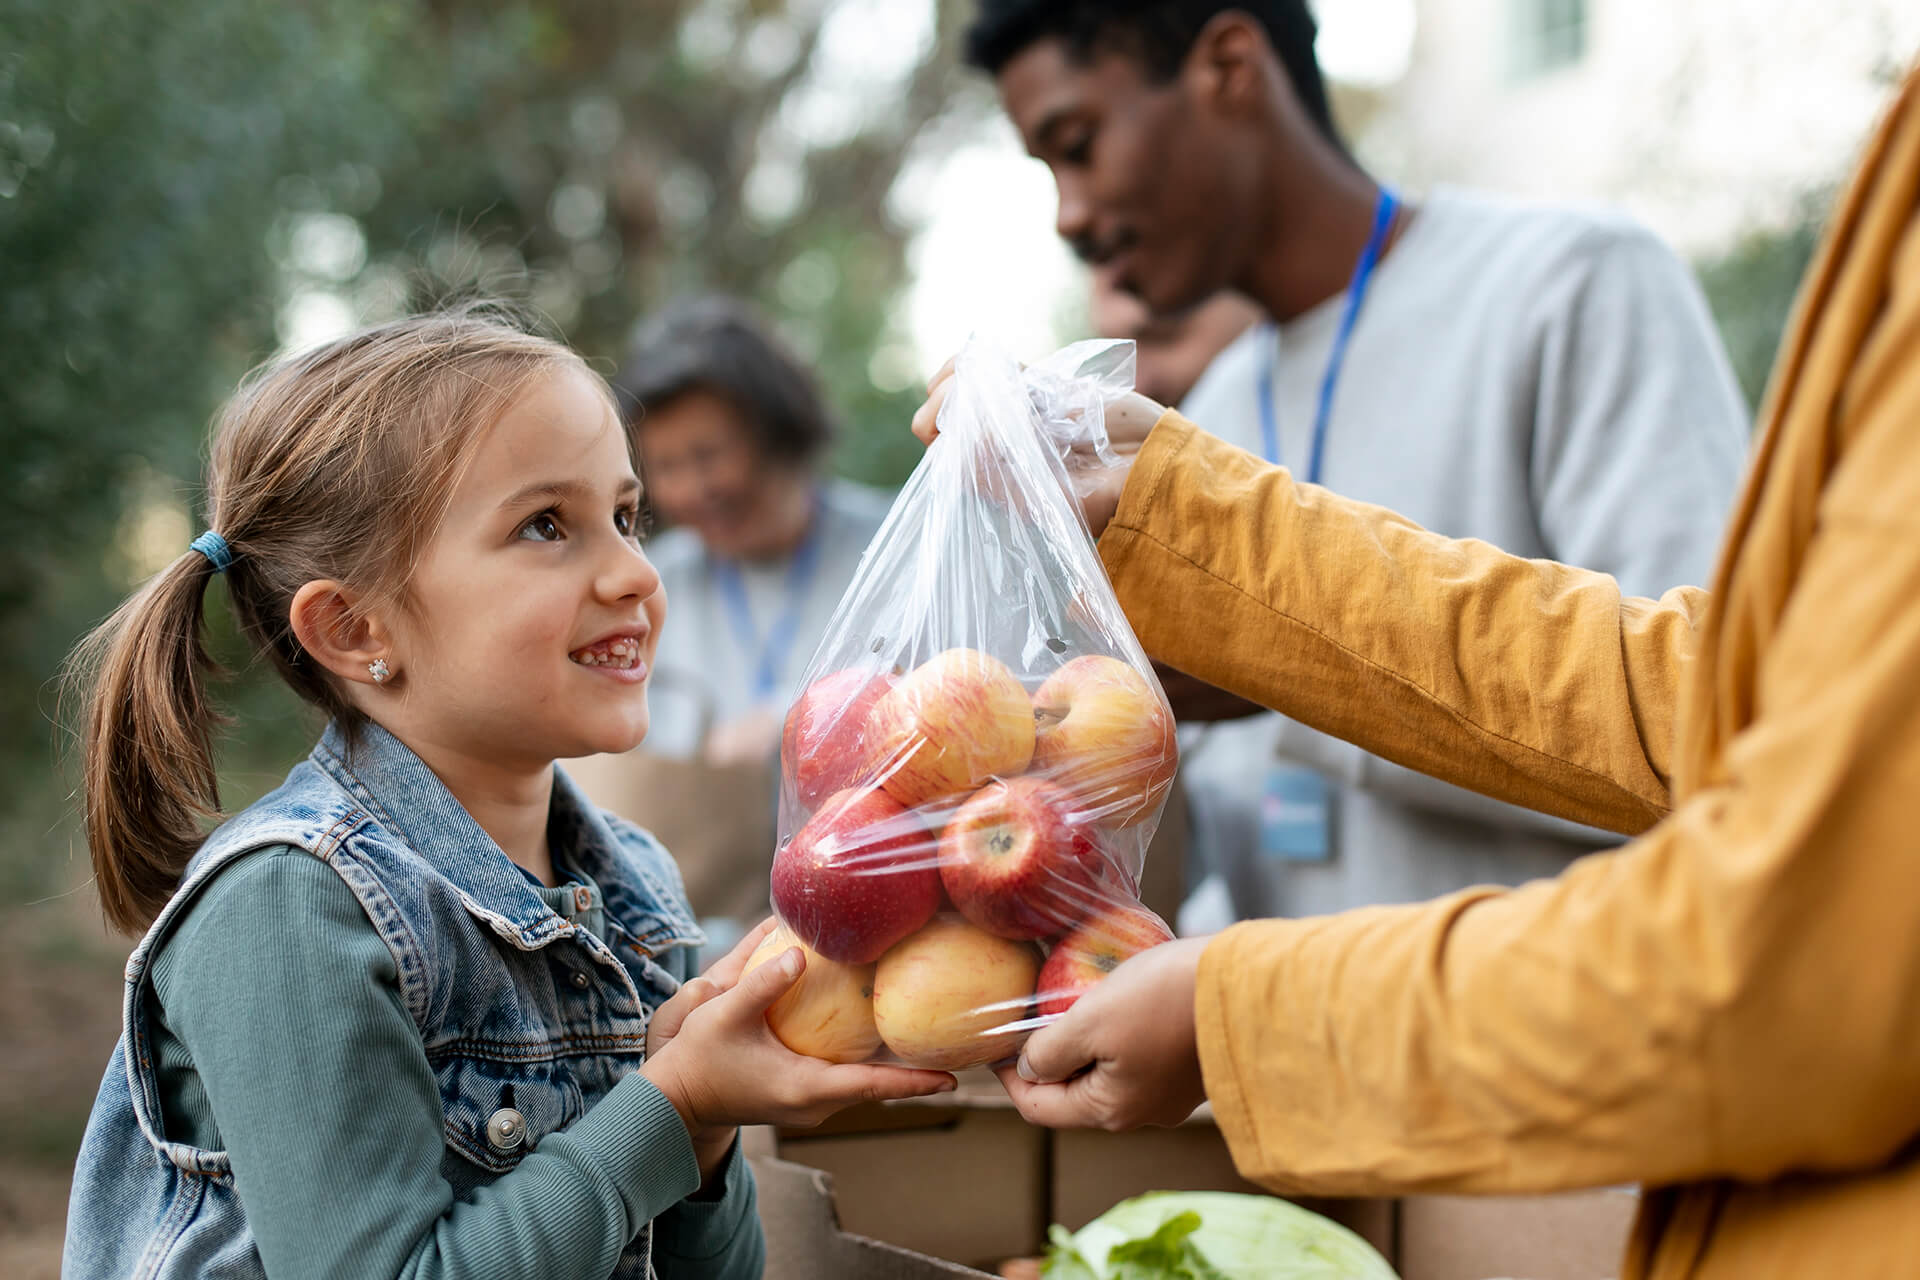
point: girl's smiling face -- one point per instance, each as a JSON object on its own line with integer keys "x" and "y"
{"x": 533, "y": 616}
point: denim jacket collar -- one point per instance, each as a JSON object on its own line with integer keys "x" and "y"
{"x": 407, "y": 797}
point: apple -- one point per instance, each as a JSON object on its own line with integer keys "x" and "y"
{"x": 954, "y": 995}
{"x": 828, "y": 1012}
{"x": 858, "y": 877}
{"x": 1017, "y": 861}
{"x": 947, "y": 726}
{"x": 1105, "y": 734}
{"x": 1095, "y": 950}
{"x": 823, "y": 742}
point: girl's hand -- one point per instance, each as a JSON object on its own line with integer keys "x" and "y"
{"x": 1096, "y": 486}
{"x": 694, "y": 992}
{"x": 709, "y": 1148}
{"x": 722, "y": 1066}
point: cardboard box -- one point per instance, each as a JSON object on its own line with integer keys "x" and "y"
{"x": 805, "y": 1240}
{"x": 955, "y": 1185}
{"x": 966, "y": 1182}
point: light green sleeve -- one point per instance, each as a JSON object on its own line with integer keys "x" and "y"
{"x": 288, "y": 1004}
{"x": 718, "y": 1237}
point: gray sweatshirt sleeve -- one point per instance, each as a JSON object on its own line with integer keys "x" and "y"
{"x": 1640, "y": 435}
{"x": 289, "y": 1004}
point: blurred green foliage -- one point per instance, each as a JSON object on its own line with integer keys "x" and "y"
{"x": 180, "y": 184}
{"x": 1751, "y": 289}
{"x": 143, "y": 152}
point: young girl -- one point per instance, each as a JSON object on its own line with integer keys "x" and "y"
{"x": 415, "y": 1012}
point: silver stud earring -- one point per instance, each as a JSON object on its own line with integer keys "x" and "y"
{"x": 378, "y": 670}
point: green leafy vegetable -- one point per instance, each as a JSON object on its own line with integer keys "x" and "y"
{"x": 1168, "y": 1252}
{"x": 1211, "y": 1235}
{"x": 1064, "y": 1260}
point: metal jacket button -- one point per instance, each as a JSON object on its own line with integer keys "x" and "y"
{"x": 506, "y": 1129}
{"x": 581, "y": 980}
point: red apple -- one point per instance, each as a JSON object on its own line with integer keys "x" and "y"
{"x": 858, "y": 877}
{"x": 824, "y": 744}
{"x": 954, "y": 996}
{"x": 1018, "y": 862}
{"x": 947, "y": 726}
{"x": 1105, "y": 734}
{"x": 1095, "y": 950}
{"x": 828, "y": 1012}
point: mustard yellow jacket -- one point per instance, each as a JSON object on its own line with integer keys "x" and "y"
{"x": 1726, "y": 1010}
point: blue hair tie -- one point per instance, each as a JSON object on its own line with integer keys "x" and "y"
{"x": 215, "y": 549}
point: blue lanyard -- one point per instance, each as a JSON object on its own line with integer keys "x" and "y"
{"x": 1356, "y": 294}
{"x": 770, "y": 655}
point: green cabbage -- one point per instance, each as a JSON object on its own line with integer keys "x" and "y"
{"x": 1211, "y": 1235}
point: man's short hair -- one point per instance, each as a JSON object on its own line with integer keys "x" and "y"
{"x": 1157, "y": 33}
{"x": 720, "y": 345}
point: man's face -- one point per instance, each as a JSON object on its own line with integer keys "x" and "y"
{"x": 1150, "y": 191}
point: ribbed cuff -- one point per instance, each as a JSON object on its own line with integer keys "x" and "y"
{"x": 642, "y": 1145}
{"x": 699, "y": 1230}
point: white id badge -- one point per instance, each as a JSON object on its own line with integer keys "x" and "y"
{"x": 1296, "y": 815}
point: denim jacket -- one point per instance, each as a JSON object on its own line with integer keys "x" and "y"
{"x": 468, "y": 936}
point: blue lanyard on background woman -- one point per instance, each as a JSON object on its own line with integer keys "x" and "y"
{"x": 1356, "y": 294}
{"x": 770, "y": 655}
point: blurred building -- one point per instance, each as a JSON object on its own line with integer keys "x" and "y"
{"x": 1705, "y": 118}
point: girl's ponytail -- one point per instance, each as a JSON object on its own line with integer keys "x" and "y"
{"x": 148, "y": 783}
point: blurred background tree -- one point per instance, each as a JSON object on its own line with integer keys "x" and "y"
{"x": 136, "y": 283}
{"x": 1751, "y": 289}
{"x": 350, "y": 160}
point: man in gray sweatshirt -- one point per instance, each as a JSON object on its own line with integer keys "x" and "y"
{"x": 1547, "y": 379}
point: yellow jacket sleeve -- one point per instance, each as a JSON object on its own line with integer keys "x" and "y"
{"x": 1525, "y": 680}
{"x": 1731, "y": 996}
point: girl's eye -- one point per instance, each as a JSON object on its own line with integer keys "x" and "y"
{"x": 542, "y": 528}
{"x": 1080, "y": 151}
{"x": 627, "y": 521}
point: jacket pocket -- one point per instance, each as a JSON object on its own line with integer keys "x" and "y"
{"x": 498, "y": 1108}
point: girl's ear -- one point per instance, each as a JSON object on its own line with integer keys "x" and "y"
{"x": 329, "y": 625}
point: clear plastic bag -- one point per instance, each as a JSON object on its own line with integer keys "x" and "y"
{"x": 978, "y": 757}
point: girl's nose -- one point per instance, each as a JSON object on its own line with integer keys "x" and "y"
{"x": 629, "y": 574}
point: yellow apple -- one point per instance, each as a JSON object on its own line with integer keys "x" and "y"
{"x": 828, "y": 1012}
{"x": 1106, "y": 736}
{"x": 949, "y": 996}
